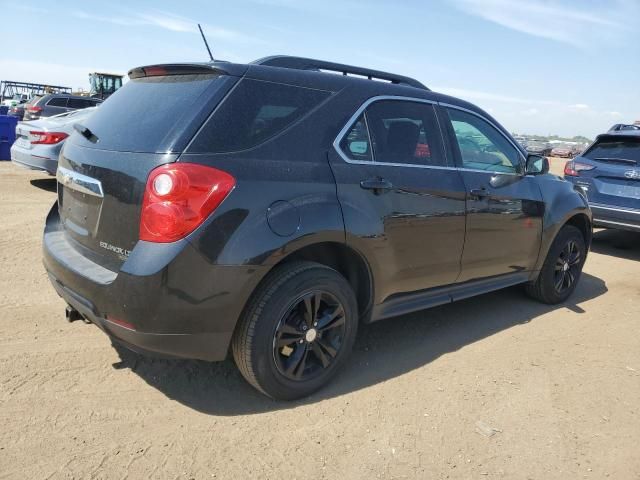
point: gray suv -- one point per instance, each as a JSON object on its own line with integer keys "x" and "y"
{"x": 56, "y": 103}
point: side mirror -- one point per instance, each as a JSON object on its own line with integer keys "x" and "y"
{"x": 537, "y": 165}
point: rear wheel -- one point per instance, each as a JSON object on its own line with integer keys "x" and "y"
{"x": 297, "y": 331}
{"x": 562, "y": 267}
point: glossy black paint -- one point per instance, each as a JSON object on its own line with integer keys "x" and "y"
{"x": 295, "y": 193}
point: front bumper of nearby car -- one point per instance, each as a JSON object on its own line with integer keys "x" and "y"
{"x": 610, "y": 216}
{"x": 46, "y": 160}
{"x": 166, "y": 299}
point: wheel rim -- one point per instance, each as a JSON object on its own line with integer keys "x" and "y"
{"x": 309, "y": 336}
{"x": 567, "y": 267}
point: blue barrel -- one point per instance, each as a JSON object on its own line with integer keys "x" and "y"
{"x": 4, "y": 110}
{"x": 7, "y": 135}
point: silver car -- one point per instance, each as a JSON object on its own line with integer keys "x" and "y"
{"x": 38, "y": 143}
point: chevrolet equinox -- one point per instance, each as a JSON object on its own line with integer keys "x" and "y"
{"x": 269, "y": 208}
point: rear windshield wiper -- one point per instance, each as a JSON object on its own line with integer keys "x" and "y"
{"x": 628, "y": 161}
{"x": 85, "y": 132}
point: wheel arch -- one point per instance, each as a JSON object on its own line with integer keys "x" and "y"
{"x": 342, "y": 258}
{"x": 583, "y": 223}
{"x": 346, "y": 261}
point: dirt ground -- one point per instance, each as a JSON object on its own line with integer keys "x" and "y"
{"x": 492, "y": 387}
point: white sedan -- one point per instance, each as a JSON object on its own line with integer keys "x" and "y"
{"x": 38, "y": 143}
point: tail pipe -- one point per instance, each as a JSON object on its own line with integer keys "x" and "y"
{"x": 72, "y": 314}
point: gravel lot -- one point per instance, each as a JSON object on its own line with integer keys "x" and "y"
{"x": 492, "y": 387}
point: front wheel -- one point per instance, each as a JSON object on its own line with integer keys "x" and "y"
{"x": 297, "y": 330}
{"x": 561, "y": 269}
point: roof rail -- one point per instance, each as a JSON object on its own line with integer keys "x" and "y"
{"x": 301, "y": 63}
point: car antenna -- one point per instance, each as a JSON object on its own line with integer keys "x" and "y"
{"x": 204, "y": 39}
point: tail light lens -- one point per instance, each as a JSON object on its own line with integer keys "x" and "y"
{"x": 573, "y": 168}
{"x": 34, "y": 109}
{"x": 179, "y": 197}
{"x": 47, "y": 138}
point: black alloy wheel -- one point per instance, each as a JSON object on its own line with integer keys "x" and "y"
{"x": 309, "y": 336}
{"x": 567, "y": 267}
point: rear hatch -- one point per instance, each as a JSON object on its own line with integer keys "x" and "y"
{"x": 104, "y": 164}
{"x": 615, "y": 176}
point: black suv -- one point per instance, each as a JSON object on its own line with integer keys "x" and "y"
{"x": 270, "y": 208}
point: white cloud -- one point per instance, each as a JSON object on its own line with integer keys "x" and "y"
{"x": 167, "y": 21}
{"x": 576, "y": 24}
{"x": 530, "y": 112}
{"x": 579, "y": 106}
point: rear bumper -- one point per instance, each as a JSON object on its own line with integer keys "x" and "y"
{"x": 25, "y": 159}
{"x": 165, "y": 299}
{"x": 610, "y": 216}
{"x": 203, "y": 346}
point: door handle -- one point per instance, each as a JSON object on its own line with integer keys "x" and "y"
{"x": 378, "y": 185}
{"x": 479, "y": 193}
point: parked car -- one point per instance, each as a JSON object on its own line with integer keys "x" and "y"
{"x": 57, "y": 103}
{"x": 522, "y": 141}
{"x": 577, "y": 150}
{"x": 538, "y": 148}
{"x": 562, "y": 151}
{"x": 38, "y": 143}
{"x": 608, "y": 174}
{"x": 17, "y": 111}
{"x": 17, "y": 99}
{"x": 270, "y": 208}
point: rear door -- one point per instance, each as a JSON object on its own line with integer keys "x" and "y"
{"x": 615, "y": 178}
{"x": 504, "y": 206}
{"x": 402, "y": 200}
{"x": 102, "y": 173}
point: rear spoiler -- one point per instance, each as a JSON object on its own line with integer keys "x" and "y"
{"x": 220, "y": 68}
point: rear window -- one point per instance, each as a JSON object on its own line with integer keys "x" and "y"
{"x": 147, "y": 114}
{"x": 612, "y": 150}
{"x": 255, "y": 112}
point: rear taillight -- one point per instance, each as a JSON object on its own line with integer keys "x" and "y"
{"x": 573, "y": 168}
{"x": 47, "y": 138}
{"x": 34, "y": 109}
{"x": 179, "y": 197}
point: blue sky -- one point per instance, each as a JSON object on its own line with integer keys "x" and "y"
{"x": 567, "y": 67}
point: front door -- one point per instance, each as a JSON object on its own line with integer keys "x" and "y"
{"x": 504, "y": 206}
{"x": 403, "y": 202}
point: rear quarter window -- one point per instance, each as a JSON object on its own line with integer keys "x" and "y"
{"x": 254, "y": 112}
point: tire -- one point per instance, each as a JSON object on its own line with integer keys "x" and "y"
{"x": 277, "y": 346}
{"x": 567, "y": 248}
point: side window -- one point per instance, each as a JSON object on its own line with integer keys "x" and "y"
{"x": 355, "y": 144}
{"x": 405, "y": 132}
{"x": 253, "y": 113}
{"x": 79, "y": 103}
{"x": 57, "y": 102}
{"x": 482, "y": 147}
